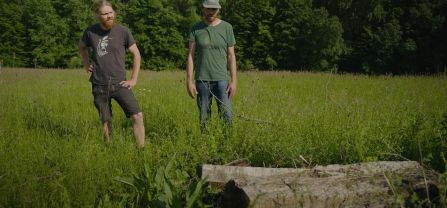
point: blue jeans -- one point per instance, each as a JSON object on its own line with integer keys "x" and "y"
{"x": 207, "y": 90}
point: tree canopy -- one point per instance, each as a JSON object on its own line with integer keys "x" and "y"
{"x": 371, "y": 36}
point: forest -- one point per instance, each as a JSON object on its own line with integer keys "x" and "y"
{"x": 367, "y": 37}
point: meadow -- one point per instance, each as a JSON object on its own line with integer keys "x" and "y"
{"x": 52, "y": 153}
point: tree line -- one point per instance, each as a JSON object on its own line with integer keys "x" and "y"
{"x": 368, "y": 36}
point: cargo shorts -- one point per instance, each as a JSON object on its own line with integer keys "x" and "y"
{"x": 103, "y": 95}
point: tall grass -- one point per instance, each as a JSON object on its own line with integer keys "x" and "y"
{"x": 52, "y": 153}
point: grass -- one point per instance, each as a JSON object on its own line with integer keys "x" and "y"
{"x": 52, "y": 153}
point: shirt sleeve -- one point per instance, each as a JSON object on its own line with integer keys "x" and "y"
{"x": 129, "y": 40}
{"x": 85, "y": 38}
{"x": 192, "y": 33}
{"x": 191, "y": 37}
{"x": 231, "y": 39}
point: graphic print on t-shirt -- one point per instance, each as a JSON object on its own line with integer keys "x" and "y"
{"x": 102, "y": 46}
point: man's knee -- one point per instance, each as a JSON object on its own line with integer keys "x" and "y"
{"x": 137, "y": 116}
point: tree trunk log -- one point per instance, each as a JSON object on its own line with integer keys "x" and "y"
{"x": 373, "y": 184}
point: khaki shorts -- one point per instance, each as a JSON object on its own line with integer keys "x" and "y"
{"x": 103, "y": 96}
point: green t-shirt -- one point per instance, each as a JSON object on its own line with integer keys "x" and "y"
{"x": 212, "y": 44}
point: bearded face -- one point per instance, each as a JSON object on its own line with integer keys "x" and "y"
{"x": 106, "y": 16}
{"x": 210, "y": 14}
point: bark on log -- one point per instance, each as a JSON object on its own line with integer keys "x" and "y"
{"x": 374, "y": 184}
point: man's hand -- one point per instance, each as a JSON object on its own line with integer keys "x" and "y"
{"x": 89, "y": 69}
{"x": 192, "y": 91}
{"x": 231, "y": 89}
{"x": 128, "y": 84}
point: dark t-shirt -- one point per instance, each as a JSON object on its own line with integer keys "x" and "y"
{"x": 109, "y": 51}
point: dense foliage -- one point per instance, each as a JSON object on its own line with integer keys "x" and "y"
{"x": 371, "y": 36}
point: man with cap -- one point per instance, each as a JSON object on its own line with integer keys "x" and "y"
{"x": 210, "y": 56}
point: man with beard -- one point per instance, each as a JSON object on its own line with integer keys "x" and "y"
{"x": 109, "y": 42}
{"x": 211, "y": 55}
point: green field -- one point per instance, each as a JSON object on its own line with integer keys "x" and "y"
{"x": 52, "y": 153}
